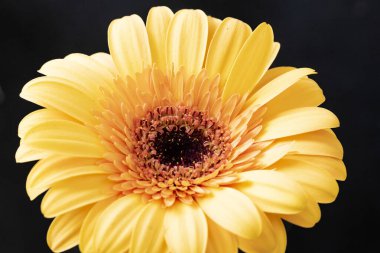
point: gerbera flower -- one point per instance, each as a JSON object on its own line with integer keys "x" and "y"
{"x": 179, "y": 140}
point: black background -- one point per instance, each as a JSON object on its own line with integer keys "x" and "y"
{"x": 337, "y": 38}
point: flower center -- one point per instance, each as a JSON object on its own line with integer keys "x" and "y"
{"x": 179, "y": 143}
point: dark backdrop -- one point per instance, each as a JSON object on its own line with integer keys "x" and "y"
{"x": 337, "y": 38}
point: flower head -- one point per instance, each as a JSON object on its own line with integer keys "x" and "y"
{"x": 180, "y": 140}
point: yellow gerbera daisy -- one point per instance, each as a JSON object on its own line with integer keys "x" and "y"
{"x": 181, "y": 140}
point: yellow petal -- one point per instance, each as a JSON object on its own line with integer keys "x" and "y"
{"x": 63, "y": 232}
{"x": 157, "y": 25}
{"x": 334, "y": 166}
{"x": 106, "y": 61}
{"x": 185, "y": 229}
{"x": 265, "y": 243}
{"x": 308, "y": 217}
{"x": 129, "y": 45}
{"x": 86, "y": 238}
{"x": 272, "y": 154}
{"x": 321, "y": 142}
{"x": 278, "y": 85}
{"x": 113, "y": 229}
{"x": 64, "y": 137}
{"x": 228, "y": 40}
{"x": 213, "y": 24}
{"x": 148, "y": 235}
{"x": 272, "y": 191}
{"x": 25, "y": 153}
{"x": 297, "y": 121}
{"x": 58, "y": 94}
{"x": 53, "y": 169}
{"x": 74, "y": 193}
{"x": 220, "y": 240}
{"x": 233, "y": 211}
{"x": 251, "y": 62}
{"x": 187, "y": 40}
{"x": 83, "y": 72}
{"x": 38, "y": 116}
{"x": 280, "y": 232}
{"x": 304, "y": 93}
{"x": 317, "y": 182}
{"x": 270, "y": 75}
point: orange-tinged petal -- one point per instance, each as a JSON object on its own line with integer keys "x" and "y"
{"x": 233, "y": 211}
{"x": 129, "y": 45}
{"x": 63, "y": 232}
{"x": 228, "y": 40}
{"x": 187, "y": 40}
{"x": 148, "y": 235}
{"x": 157, "y": 25}
{"x": 74, "y": 193}
{"x": 220, "y": 240}
{"x": 272, "y": 191}
{"x": 113, "y": 229}
{"x": 251, "y": 62}
{"x": 297, "y": 121}
{"x": 185, "y": 228}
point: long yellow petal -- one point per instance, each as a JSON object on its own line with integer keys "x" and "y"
{"x": 59, "y": 94}
{"x": 265, "y": 243}
{"x": 321, "y": 142}
{"x": 25, "y": 153}
{"x": 187, "y": 40}
{"x": 280, "y": 232}
{"x": 157, "y": 25}
{"x": 228, "y": 40}
{"x": 233, "y": 211}
{"x": 185, "y": 229}
{"x": 64, "y": 137}
{"x": 272, "y": 154}
{"x": 213, "y": 24}
{"x": 317, "y": 182}
{"x": 74, "y": 193}
{"x": 220, "y": 240}
{"x": 308, "y": 217}
{"x": 86, "y": 237}
{"x": 129, "y": 45}
{"x": 270, "y": 75}
{"x": 251, "y": 62}
{"x": 106, "y": 61}
{"x": 334, "y": 166}
{"x": 63, "y": 232}
{"x": 272, "y": 191}
{"x": 53, "y": 169}
{"x": 148, "y": 235}
{"x": 278, "y": 85}
{"x": 297, "y": 121}
{"x": 113, "y": 229}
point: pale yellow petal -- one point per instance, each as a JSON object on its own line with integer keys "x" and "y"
{"x": 187, "y": 40}
{"x": 63, "y": 232}
{"x": 25, "y": 153}
{"x": 316, "y": 181}
{"x": 157, "y": 24}
{"x": 321, "y": 142}
{"x": 270, "y": 75}
{"x": 83, "y": 72}
{"x": 185, "y": 229}
{"x": 297, "y": 121}
{"x": 38, "y": 116}
{"x": 272, "y": 191}
{"x": 53, "y": 169}
{"x": 265, "y": 243}
{"x": 304, "y": 93}
{"x": 129, "y": 45}
{"x": 280, "y": 232}
{"x": 58, "y": 94}
{"x": 106, "y": 61}
{"x": 213, "y": 24}
{"x": 233, "y": 211}
{"x": 251, "y": 62}
{"x": 334, "y": 166}
{"x": 220, "y": 240}
{"x": 228, "y": 40}
{"x": 278, "y": 85}
{"x": 308, "y": 217}
{"x": 86, "y": 238}
{"x": 64, "y": 137}
{"x": 148, "y": 235}
{"x": 113, "y": 229}
{"x": 272, "y": 154}
{"x": 74, "y": 193}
